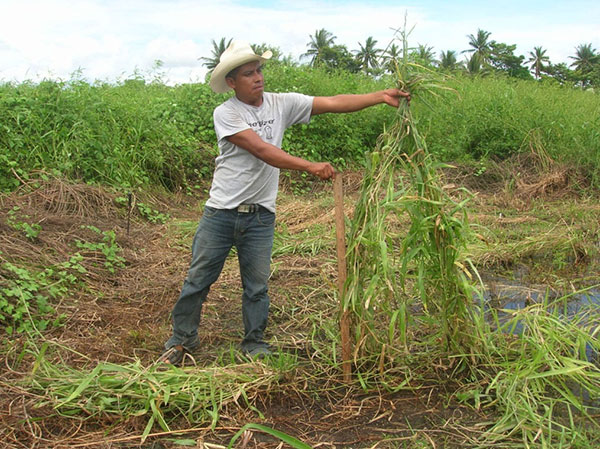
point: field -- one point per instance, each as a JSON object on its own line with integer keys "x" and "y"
{"x": 120, "y": 315}
{"x": 103, "y": 188}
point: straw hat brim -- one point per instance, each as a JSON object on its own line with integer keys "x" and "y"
{"x": 217, "y": 78}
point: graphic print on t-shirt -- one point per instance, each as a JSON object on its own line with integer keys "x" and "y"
{"x": 263, "y": 128}
{"x": 268, "y": 132}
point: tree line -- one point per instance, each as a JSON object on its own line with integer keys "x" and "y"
{"x": 482, "y": 57}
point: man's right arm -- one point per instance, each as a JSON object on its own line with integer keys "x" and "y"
{"x": 272, "y": 155}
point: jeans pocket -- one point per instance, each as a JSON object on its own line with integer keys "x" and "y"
{"x": 210, "y": 211}
{"x": 266, "y": 217}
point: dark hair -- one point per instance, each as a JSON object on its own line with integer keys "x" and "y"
{"x": 232, "y": 73}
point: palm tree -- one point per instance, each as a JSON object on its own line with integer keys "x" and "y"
{"x": 448, "y": 60}
{"x": 473, "y": 64}
{"x": 585, "y": 58}
{"x": 368, "y": 55}
{"x": 392, "y": 54}
{"x": 424, "y": 55}
{"x": 321, "y": 40}
{"x": 217, "y": 51}
{"x": 480, "y": 45}
{"x": 537, "y": 59}
{"x": 259, "y": 49}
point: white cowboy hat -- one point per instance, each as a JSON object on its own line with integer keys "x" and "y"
{"x": 238, "y": 53}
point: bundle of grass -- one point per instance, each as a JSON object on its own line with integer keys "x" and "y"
{"x": 158, "y": 393}
{"x": 541, "y": 376}
{"x": 388, "y": 268}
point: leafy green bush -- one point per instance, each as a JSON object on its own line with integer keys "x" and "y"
{"x": 108, "y": 247}
{"x": 26, "y": 294}
{"x": 146, "y": 134}
{"x": 130, "y": 134}
{"x": 31, "y": 230}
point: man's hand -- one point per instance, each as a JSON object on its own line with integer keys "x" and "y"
{"x": 323, "y": 170}
{"x": 392, "y": 97}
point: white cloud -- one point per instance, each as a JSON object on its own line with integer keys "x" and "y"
{"x": 173, "y": 53}
{"x": 109, "y": 39}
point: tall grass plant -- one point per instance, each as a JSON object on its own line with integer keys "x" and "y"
{"x": 537, "y": 369}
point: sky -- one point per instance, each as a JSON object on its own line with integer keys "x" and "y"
{"x": 112, "y": 40}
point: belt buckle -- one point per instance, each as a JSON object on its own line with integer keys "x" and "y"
{"x": 245, "y": 208}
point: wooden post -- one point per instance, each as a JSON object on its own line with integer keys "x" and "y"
{"x": 340, "y": 233}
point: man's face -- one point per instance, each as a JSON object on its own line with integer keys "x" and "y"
{"x": 248, "y": 83}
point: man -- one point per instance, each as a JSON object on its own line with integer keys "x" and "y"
{"x": 240, "y": 210}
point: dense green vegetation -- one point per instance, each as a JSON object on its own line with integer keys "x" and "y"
{"x": 149, "y": 134}
{"x": 129, "y": 134}
{"x": 492, "y": 117}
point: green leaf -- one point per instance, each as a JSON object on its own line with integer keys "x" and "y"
{"x": 288, "y": 439}
{"x": 82, "y": 386}
{"x": 148, "y": 428}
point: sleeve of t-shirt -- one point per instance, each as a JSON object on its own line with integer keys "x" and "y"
{"x": 228, "y": 122}
{"x": 298, "y": 108}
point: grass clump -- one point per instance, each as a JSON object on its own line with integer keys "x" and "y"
{"x": 157, "y": 392}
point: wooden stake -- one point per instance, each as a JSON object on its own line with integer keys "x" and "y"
{"x": 128, "y": 211}
{"x": 340, "y": 233}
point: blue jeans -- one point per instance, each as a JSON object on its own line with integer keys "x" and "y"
{"x": 219, "y": 230}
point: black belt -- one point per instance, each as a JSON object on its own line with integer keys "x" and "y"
{"x": 248, "y": 208}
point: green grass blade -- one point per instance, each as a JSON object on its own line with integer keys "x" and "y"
{"x": 284, "y": 437}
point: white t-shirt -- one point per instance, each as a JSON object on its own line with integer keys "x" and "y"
{"x": 239, "y": 176}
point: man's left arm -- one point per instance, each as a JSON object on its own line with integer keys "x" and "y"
{"x": 356, "y": 102}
